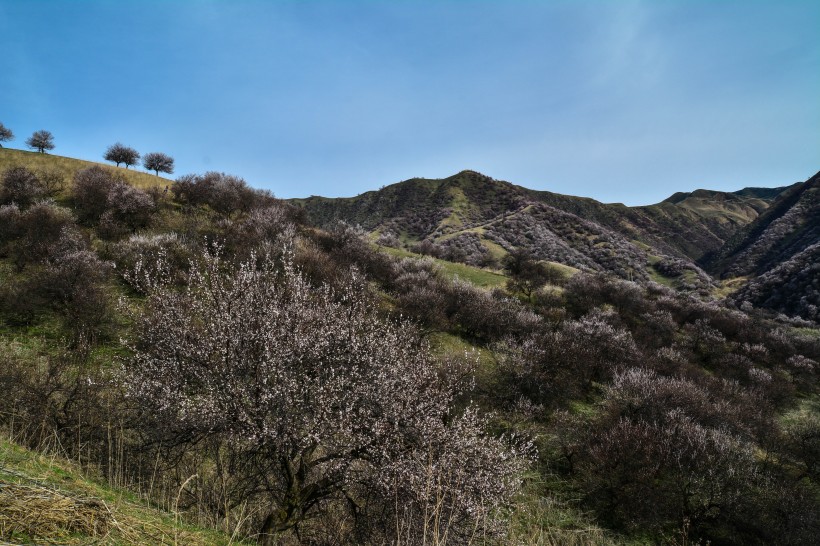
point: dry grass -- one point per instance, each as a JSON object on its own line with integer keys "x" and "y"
{"x": 39, "y": 512}
{"x": 47, "y": 500}
{"x": 67, "y": 166}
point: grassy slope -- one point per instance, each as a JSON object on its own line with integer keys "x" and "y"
{"x": 684, "y": 225}
{"x": 482, "y": 278}
{"x": 68, "y": 166}
{"x": 740, "y": 254}
{"x": 48, "y": 500}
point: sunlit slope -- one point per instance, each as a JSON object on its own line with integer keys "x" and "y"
{"x": 68, "y": 166}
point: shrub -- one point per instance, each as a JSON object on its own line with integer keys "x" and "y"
{"x": 155, "y": 255}
{"x": 74, "y": 284}
{"x": 42, "y": 231}
{"x": 21, "y": 186}
{"x": 129, "y": 206}
{"x": 331, "y": 409}
{"x": 52, "y": 181}
{"x": 660, "y": 453}
{"x": 553, "y": 366}
{"x": 91, "y": 189}
{"x": 224, "y": 193}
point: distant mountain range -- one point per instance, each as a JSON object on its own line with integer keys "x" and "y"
{"x": 476, "y": 219}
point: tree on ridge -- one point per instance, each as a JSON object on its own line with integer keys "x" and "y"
{"x": 5, "y": 134}
{"x": 41, "y": 140}
{"x": 158, "y": 162}
{"x": 119, "y": 153}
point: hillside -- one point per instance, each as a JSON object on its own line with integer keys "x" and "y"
{"x": 473, "y": 218}
{"x": 789, "y": 226}
{"x": 686, "y": 224}
{"x": 209, "y": 352}
{"x": 49, "y": 500}
{"x": 67, "y": 166}
{"x": 779, "y": 250}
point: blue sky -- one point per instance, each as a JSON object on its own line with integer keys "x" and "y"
{"x": 623, "y": 101}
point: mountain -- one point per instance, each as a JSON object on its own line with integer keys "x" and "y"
{"x": 780, "y": 250}
{"x": 477, "y": 219}
{"x": 790, "y": 225}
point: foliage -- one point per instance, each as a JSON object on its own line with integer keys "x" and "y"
{"x": 657, "y": 412}
{"x": 100, "y": 197}
{"x": 91, "y": 188}
{"x": 528, "y": 274}
{"x": 793, "y": 287}
{"x": 128, "y": 206}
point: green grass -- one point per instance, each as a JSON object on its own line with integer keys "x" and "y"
{"x": 67, "y": 166}
{"x": 482, "y": 278}
{"x": 54, "y": 500}
{"x": 808, "y": 332}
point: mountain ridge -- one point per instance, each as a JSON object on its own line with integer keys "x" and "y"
{"x": 474, "y": 218}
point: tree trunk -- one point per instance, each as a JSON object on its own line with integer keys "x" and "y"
{"x": 267, "y": 535}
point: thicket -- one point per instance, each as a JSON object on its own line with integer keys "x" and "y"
{"x": 271, "y": 382}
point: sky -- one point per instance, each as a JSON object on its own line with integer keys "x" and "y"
{"x": 623, "y": 101}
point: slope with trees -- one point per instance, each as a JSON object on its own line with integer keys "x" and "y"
{"x": 779, "y": 252}
{"x": 684, "y": 226}
{"x": 285, "y": 383}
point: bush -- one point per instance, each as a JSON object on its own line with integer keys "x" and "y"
{"x": 659, "y": 454}
{"x": 331, "y": 409}
{"x": 91, "y": 189}
{"x": 553, "y": 366}
{"x": 224, "y": 193}
{"x": 42, "y": 231}
{"x": 21, "y": 186}
{"x": 74, "y": 284}
{"x": 129, "y": 206}
{"x": 164, "y": 255}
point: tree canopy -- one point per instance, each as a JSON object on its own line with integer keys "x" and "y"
{"x": 5, "y": 134}
{"x": 158, "y": 162}
{"x": 322, "y": 399}
{"x": 41, "y": 141}
{"x": 119, "y": 153}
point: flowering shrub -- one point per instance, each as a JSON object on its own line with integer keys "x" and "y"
{"x": 20, "y": 186}
{"x": 222, "y": 192}
{"x": 325, "y": 403}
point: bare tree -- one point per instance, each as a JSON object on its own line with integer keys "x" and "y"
{"x": 158, "y": 162}
{"x": 330, "y": 408}
{"x": 118, "y": 153}
{"x": 41, "y": 140}
{"x": 5, "y": 134}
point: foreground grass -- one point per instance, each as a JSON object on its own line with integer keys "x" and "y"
{"x": 67, "y": 166}
{"x": 48, "y": 500}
